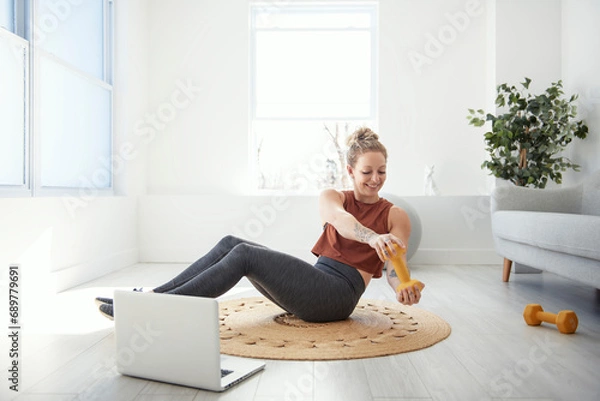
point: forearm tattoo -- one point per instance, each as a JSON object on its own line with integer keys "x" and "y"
{"x": 362, "y": 233}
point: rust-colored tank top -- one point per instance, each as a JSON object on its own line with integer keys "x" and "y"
{"x": 352, "y": 253}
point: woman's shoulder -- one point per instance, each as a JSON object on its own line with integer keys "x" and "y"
{"x": 334, "y": 194}
{"x": 397, "y": 211}
{"x": 398, "y": 217}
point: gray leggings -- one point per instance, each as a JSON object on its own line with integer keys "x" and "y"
{"x": 327, "y": 291}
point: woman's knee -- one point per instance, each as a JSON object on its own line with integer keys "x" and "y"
{"x": 244, "y": 255}
{"x": 230, "y": 241}
{"x": 248, "y": 248}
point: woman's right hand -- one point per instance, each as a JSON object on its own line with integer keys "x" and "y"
{"x": 384, "y": 245}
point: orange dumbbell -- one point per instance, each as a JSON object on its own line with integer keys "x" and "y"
{"x": 566, "y": 321}
{"x": 402, "y": 271}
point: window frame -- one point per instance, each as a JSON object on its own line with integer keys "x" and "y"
{"x": 18, "y": 37}
{"x": 24, "y": 31}
{"x": 256, "y": 7}
{"x": 371, "y": 8}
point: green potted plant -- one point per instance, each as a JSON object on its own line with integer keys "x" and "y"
{"x": 527, "y": 138}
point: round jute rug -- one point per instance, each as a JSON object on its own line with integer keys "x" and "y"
{"x": 257, "y": 328}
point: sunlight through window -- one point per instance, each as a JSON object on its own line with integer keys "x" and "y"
{"x": 313, "y": 83}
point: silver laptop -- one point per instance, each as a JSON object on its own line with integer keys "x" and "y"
{"x": 175, "y": 339}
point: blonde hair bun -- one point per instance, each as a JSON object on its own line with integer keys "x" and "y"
{"x": 363, "y": 134}
{"x": 361, "y": 141}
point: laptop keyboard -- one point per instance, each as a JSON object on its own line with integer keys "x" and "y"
{"x": 225, "y": 372}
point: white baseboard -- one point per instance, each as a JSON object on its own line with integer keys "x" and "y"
{"x": 81, "y": 273}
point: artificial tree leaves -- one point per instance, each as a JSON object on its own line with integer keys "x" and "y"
{"x": 527, "y": 138}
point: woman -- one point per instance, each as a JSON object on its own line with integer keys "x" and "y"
{"x": 360, "y": 229}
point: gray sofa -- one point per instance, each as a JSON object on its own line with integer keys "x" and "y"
{"x": 556, "y": 230}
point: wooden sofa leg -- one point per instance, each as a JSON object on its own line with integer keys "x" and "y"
{"x": 506, "y": 272}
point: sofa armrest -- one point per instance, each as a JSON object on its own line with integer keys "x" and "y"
{"x": 560, "y": 200}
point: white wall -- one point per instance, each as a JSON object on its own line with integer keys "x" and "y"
{"x": 581, "y": 67}
{"x": 202, "y": 148}
{"x": 197, "y": 164}
{"x": 528, "y": 42}
{"x": 437, "y": 58}
{"x": 59, "y": 245}
{"x": 432, "y": 69}
{"x": 426, "y": 84}
{"x": 425, "y": 90}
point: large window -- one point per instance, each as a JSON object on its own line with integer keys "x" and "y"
{"x": 7, "y": 15}
{"x": 313, "y": 82}
{"x": 56, "y": 96}
{"x": 14, "y": 99}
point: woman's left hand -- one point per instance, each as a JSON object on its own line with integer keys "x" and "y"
{"x": 409, "y": 295}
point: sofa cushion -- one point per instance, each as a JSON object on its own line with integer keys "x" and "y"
{"x": 561, "y": 232}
